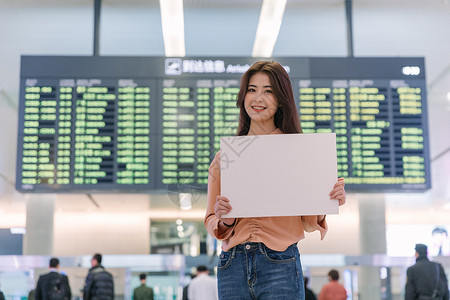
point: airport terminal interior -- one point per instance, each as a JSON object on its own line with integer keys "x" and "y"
{"x": 147, "y": 220}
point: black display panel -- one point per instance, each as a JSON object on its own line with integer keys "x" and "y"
{"x": 127, "y": 124}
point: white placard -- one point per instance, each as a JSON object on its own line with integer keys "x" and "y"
{"x": 279, "y": 174}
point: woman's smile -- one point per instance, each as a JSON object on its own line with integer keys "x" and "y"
{"x": 258, "y": 108}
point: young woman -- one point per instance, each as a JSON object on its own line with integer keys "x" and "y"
{"x": 260, "y": 258}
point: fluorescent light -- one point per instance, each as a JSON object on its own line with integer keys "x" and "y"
{"x": 268, "y": 27}
{"x": 17, "y": 230}
{"x": 185, "y": 201}
{"x": 172, "y": 19}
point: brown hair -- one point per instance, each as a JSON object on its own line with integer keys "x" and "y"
{"x": 286, "y": 117}
{"x": 334, "y": 275}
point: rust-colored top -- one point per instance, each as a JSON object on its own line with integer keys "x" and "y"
{"x": 333, "y": 291}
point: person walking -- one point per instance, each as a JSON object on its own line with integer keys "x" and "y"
{"x": 143, "y": 292}
{"x": 99, "y": 284}
{"x": 426, "y": 280}
{"x": 53, "y": 285}
{"x": 186, "y": 288}
{"x": 2, "y": 296}
{"x": 260, "y": 257}
{"x": 31, "y": 294}
{"x": 333, "y": 290}
{"x": 309, "y": 294}
{"x": 202, "y": 287}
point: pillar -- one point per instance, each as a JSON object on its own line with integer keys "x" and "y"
{"x": 372, "y": 237}
{"x": 38, "y": 239}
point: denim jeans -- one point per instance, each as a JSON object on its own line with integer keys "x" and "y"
{"x": 253, "y": 271}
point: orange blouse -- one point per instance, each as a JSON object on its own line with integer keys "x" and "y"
{"x": 277, "y": 233}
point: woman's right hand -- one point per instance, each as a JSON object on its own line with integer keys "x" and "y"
{"x": 223, "y": 207}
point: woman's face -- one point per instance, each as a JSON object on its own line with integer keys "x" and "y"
{"x": 260, "y": 103}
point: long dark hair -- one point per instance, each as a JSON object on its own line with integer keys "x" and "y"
{"x": 286, "y": 117}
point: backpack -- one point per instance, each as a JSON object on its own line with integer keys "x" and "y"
{"x": 57, "y": 289}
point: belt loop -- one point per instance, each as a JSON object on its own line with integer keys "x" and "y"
{"x": 295, "y": 249}
{"x": 233, "y": 252}
{"x": 261, "y": 248}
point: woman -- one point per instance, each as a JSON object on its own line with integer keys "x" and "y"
{"x": 260, "y": 258}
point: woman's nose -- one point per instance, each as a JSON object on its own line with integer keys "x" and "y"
{"x": 258, "y": 97}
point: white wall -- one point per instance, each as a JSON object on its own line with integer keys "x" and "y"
{"x": 342, "y": 236}
{"x": 84, "y": 233}
{"x": 106, "y": 233}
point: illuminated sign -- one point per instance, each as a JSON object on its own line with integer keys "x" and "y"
{"x": 105, "y": 124}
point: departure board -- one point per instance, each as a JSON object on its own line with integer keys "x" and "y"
{"x": 195, "y": 115}
{"x": 130, "y": 124}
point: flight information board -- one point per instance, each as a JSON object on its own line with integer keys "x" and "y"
{"x": 101, "y": 124}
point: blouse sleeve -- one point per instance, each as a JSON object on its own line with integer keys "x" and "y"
{"x": 310, "y": 224}
{"x": 211, "y": 221}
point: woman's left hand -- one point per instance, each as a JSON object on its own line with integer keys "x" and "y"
{"x": 338, "y": 192}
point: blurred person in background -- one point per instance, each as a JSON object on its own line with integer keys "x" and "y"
{"x": 202, "y": 287}
{"x": 99, "y": 284}
{"x": 426, "y": 280}
{"x": 333, "y": 290}
{"x": 2, "y": 296}
{"x": 31, "y": 295}
{"x": 53, "y": 285}
{"x": 309, "y": 294}
{"x": 143, "y": 292}
{"x": 186, "y": 288}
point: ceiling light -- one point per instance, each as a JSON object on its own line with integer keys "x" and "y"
{"x": 185, "y": 201}
{"x": 17, "y": 230}
{"x": 448, "y": 96}
{"x": 268, "y": 27}
{"x": 172, "y": 19}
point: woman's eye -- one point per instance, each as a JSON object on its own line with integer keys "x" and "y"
{"x": 269, "y": 91}
{"x": 250, "y": 90}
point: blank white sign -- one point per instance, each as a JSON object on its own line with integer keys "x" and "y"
{"x": 279, "y": 174}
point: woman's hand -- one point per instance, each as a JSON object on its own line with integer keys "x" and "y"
{"x": 338, "y": 192}
{"x": 223, "y": 207}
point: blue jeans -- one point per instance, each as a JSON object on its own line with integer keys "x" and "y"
{"x": 253, "y": 271}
